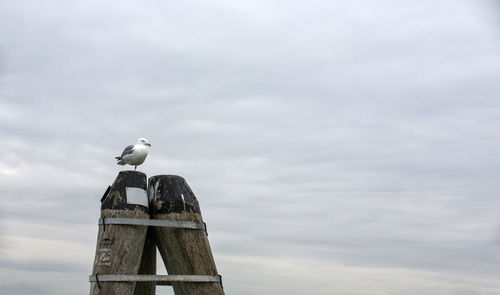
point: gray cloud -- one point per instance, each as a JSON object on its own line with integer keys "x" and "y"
{"x": 23, "y": 289}
{"x": 42, "y": 266}
{"x": 361, "y": 134}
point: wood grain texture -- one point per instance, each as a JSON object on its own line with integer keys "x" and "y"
{"x": 148, "y": 266}
{"x": 119, "y": 247}
{"x": 184, "y": 251}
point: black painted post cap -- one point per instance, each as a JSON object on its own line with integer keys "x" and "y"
{"x": 171, "y": 194}
{"x": 128, "y": 192}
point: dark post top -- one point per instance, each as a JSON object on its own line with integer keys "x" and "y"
{"x": 115, "y": 197}
{"x": 171, "y": 194}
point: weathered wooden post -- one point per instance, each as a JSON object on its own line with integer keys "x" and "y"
{"x": 148, "y": 266}
{"x": 184, "y": 251}
{"x": 119, "y": 247}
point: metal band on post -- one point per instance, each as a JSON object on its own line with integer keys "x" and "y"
{"x": 97, "y": 280}
{"x": 153, "y": 222}
{"x": 159, "y": 279}
{"x": 220, "y": 281}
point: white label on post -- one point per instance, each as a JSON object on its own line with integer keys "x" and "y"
{"x": 137, "y": 196}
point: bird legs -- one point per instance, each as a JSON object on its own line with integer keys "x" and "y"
{"x": 135, "y": 167}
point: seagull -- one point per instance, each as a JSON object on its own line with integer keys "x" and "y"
{"x": 134, "y": 154}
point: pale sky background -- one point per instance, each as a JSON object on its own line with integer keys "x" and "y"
{"x": 346, "y": 147}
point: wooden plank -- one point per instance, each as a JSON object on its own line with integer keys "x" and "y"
{"x": 147, "y": 267}
{"x": 119, "y": 247}
{"x": 184, "y": 251}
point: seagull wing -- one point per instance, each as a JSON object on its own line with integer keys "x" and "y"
{"x": 127, "y": 151}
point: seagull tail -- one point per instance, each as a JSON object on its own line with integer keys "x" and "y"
{"x": 120, "y": 161}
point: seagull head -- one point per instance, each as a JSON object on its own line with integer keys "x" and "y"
{"x": 143, "y": 141}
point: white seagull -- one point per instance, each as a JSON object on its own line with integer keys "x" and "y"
{"x": 134, "y": 154}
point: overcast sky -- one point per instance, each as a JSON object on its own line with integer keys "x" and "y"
{"x": 346, "y": 147}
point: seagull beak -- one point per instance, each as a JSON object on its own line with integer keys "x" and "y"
{"x": 148, "y": 144}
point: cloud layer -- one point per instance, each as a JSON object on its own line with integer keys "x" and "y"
{"x": 349, "y": 146}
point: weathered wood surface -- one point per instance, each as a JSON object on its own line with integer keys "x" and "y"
{"x": 184, "y": 251}
{"x": 119, "y": 247}
{"x": 148, "y": 266}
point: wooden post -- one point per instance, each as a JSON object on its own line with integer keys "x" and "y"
{"x": 148, "y": 266}
{"x": 184, "y": 251}
{"x": 119, "y": 247}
